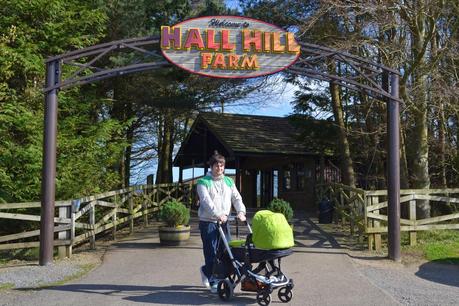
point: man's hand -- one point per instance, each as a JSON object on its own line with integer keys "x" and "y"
{"x": 222, "y": 218}
{"x": 241, "y": 216}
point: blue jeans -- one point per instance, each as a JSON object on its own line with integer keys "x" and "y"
{"x": 210, "y": 244}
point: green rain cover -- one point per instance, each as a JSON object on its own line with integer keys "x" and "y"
{"x": 271, "y": 231}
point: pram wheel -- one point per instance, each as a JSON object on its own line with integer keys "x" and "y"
{"x": 225, "y": 289}
{"x": 285, "y": 294}
{"x": 263, "y": 298}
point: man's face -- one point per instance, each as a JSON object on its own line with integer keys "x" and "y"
{"x": 218, "y": 169}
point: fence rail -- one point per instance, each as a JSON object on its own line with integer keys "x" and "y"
{"x": 80, "y": 220}
{"x": 367, "y": 210}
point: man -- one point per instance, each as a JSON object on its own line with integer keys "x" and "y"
{"x": 217, "y": 193}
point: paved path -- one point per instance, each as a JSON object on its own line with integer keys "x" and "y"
{"x": 139, "y": 271}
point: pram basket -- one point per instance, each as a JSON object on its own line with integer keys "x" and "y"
{"x": 257, "y": 270}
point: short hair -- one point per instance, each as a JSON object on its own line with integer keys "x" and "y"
{"x": 216, "y": 158}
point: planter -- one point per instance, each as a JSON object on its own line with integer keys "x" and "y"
{"x": 174, "y": 235}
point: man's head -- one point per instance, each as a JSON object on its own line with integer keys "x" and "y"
{"x": 217, "y": 164}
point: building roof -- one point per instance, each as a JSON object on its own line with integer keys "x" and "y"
{"x": 255, "y": 134}
{"x": 242, "y": 135}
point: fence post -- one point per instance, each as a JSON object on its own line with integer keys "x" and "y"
{"x": 62, "y": 235}
{"x": 145, "y": 213}
{"x": 72, "y": 211}
{"x": 368, "y": 223}
{"x": 413, "y": 218}
{"x": 114, "y": 219}
{"x": 351, "y": 213}
{"x": 131, "y": 214}
{"x": 342, "y": 206}
{"x": 377, "y": 224}
{"x": 92, "y": 223}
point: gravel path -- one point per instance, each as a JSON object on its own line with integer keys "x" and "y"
{"x": 32, "y": 275}
{"x": 429, "y": 284}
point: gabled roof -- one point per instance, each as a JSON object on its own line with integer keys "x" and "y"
{"x": 234, "y": 134}
{"x": 255, "y": 134}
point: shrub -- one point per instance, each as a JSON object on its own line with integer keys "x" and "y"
{"x": 174, "y": 213}
{"x": 281, "y": 206}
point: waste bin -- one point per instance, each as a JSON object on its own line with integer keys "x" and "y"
{"x": 325, "y": 211}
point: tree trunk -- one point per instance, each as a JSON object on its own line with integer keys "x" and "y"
{"x": 442, "y": 141}
{"x": 345, "y": 152}
{"x": 164, "y": 171}
{"x": 421, "y": 179}
{"x": 127, "y": 156}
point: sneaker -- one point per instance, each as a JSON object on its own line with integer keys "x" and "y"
{"x": 204, "y": 279}
{"x": 213, "y": 287}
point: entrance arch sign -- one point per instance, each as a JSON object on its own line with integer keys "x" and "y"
{"x": 229, "y": 46}
{"x": 94, "y": 63}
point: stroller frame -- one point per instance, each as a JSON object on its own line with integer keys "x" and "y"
{"x": 272, "y": 279}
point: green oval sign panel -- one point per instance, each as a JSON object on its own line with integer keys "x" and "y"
{"x": 229, "y": 46}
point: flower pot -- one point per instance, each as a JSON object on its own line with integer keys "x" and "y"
{"x": 174, "y": 235}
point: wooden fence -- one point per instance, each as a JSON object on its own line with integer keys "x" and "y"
{"x": 80, "y": 220}
{"x": 366, "y": 211}
{"x": 348, "y": 204}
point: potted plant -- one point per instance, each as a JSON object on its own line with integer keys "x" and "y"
{"x": 283, "y": 207}
{"x": 176, "y": 216}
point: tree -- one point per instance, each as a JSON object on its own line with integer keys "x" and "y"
{"x": 29, "y": 33}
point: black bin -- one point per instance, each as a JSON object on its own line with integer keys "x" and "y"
{"x": 325, "y": 211}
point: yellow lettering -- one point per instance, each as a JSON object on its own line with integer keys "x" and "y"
{"x": 206, "y": 59}
{"x": 249, "y": 62}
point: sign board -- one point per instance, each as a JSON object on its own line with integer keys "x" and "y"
{"x": 229, "y": 46}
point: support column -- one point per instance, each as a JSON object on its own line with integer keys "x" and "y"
{"x": 393, "y": 186}
{"x": 48, "y": 183}
{"x": 238, "y": 174}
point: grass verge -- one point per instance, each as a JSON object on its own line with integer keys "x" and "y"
{"x": 437, "y": 245}
{"x": 6, "y": 286}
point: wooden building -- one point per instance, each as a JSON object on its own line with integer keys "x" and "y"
{"x": 265, "y": 152}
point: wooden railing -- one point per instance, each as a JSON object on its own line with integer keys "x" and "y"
{"x": 367, "y": 210}
{"x": 348, "y": 204}
{"x": 410, "y": 201}
{"x": 80, "y": 220}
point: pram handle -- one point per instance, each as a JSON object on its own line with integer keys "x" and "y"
{"x": 232, "y": 218}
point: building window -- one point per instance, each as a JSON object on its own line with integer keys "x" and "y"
{"x": 300, "y": 176}
{"x": 288, "y": 177}
{"x": 275, "y": 183}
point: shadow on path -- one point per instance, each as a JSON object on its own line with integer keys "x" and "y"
{"x": 167, "y": 295}
{"x": 443, "y": 273}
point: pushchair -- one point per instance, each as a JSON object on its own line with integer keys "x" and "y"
{"x": 239, "y": 261}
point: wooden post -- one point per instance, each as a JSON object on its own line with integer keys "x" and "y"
{"x": 351, "y": 214}
{"x": 413, "y": 218}
{"x": 238, "y": 174}
{"x": 342, "y": 206}
{"x": 72, "y": 230}
{"x": 145, "y": 213}
{"x": 367, "y": 223}
{"x": 92, "y": 222}
{"x": 114, "y": 219}
{"x": 131, "y": 216}
{"x": 376, "y": 224}
{"x": 62, "y": 249}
